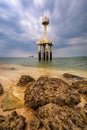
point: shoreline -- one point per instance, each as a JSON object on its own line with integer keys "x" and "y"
{"x": 10, "y": 74}
{"x": 19, "y": 69}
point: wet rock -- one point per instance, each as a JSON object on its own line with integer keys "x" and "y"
{"x": 69, "y": 76}
{"x": 12, "y": 122}
{"x": 50, "y": 90}
{"x": 1, "y": 89}
{"x": 53, "y": 117}
{"x": 85, "y": 108}
{"x": 24, "y": 80}
{"x": 35, "y": 123}
{"x": 81, "y": 86}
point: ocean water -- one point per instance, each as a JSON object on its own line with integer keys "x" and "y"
{"x": 63, "y": 63}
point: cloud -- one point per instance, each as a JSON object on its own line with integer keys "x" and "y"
{"x": 20, "y": 26}
{"x": 20, "y": 53}
{"x": 39, "y": 3}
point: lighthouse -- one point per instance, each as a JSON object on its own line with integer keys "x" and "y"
{"x": 45, "y": 44}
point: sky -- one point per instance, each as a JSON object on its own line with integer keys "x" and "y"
{"x": 21, "y": 27}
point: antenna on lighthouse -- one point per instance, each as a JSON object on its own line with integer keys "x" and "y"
{"x": 42, "y": 13}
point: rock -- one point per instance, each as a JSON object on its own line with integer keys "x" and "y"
{"x": 81, "y": 86}
{"x": 24, "y": 80}
{"x": 50, "y": 90}
{"x": 53, "y": 117}
{"x": 85, "y": 108}
{"x": 12, "y": 122}
{"x": 69, "y": 76}
{"x": 35, "y": 123}
{"x": 1, "y": 89}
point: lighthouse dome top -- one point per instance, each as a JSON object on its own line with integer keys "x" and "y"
{"x": 45, "y": 20}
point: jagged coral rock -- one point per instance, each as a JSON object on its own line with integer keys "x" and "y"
{"x": 24, "y": 79}
{"x": 81, "y": 86}
{"x": 54, "y": 117}
{"x": 50, "y": 90}
{"x": 12, "y": 121}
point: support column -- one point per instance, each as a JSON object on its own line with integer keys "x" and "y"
{"x": 43, "y": 52}
{"x": 47, "y": 52}
{"x": 45, "y": 32}
{"x": 39, "y": 52}
{"x": 50, "y": 52}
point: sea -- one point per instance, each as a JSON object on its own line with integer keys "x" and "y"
{"x": 58, "y": 63}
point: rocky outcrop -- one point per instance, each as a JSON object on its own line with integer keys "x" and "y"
{"x": 85, "y": 108}
{"x": 24, "y": 80}
{"x": 50, "y": 90}
{"x": 1, "y": 89}
{"x": 53, "y": 117}
{"x": 81, "y": 86}
{"x": 69, "y": 76}
{"x": 12, "y": 122}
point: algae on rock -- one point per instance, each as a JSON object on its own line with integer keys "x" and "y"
{"x": 11, "y": 102}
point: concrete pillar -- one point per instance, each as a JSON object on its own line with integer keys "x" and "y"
{"x": 43, "y": 52}
{"x": 47, "y": 52}
{"x": 39, "y": 52}
{"x": 45, "y": 35}
{"x": 50, "y": 52}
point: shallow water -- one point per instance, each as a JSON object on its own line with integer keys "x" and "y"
{"x": 66, "y": 63}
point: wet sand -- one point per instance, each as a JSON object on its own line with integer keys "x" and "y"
{"x": 10, "y": 74}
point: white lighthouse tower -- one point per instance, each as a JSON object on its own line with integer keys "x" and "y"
{"x": 46, "y": 52}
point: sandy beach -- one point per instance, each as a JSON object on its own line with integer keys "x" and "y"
{"x": 10, "y": 74}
